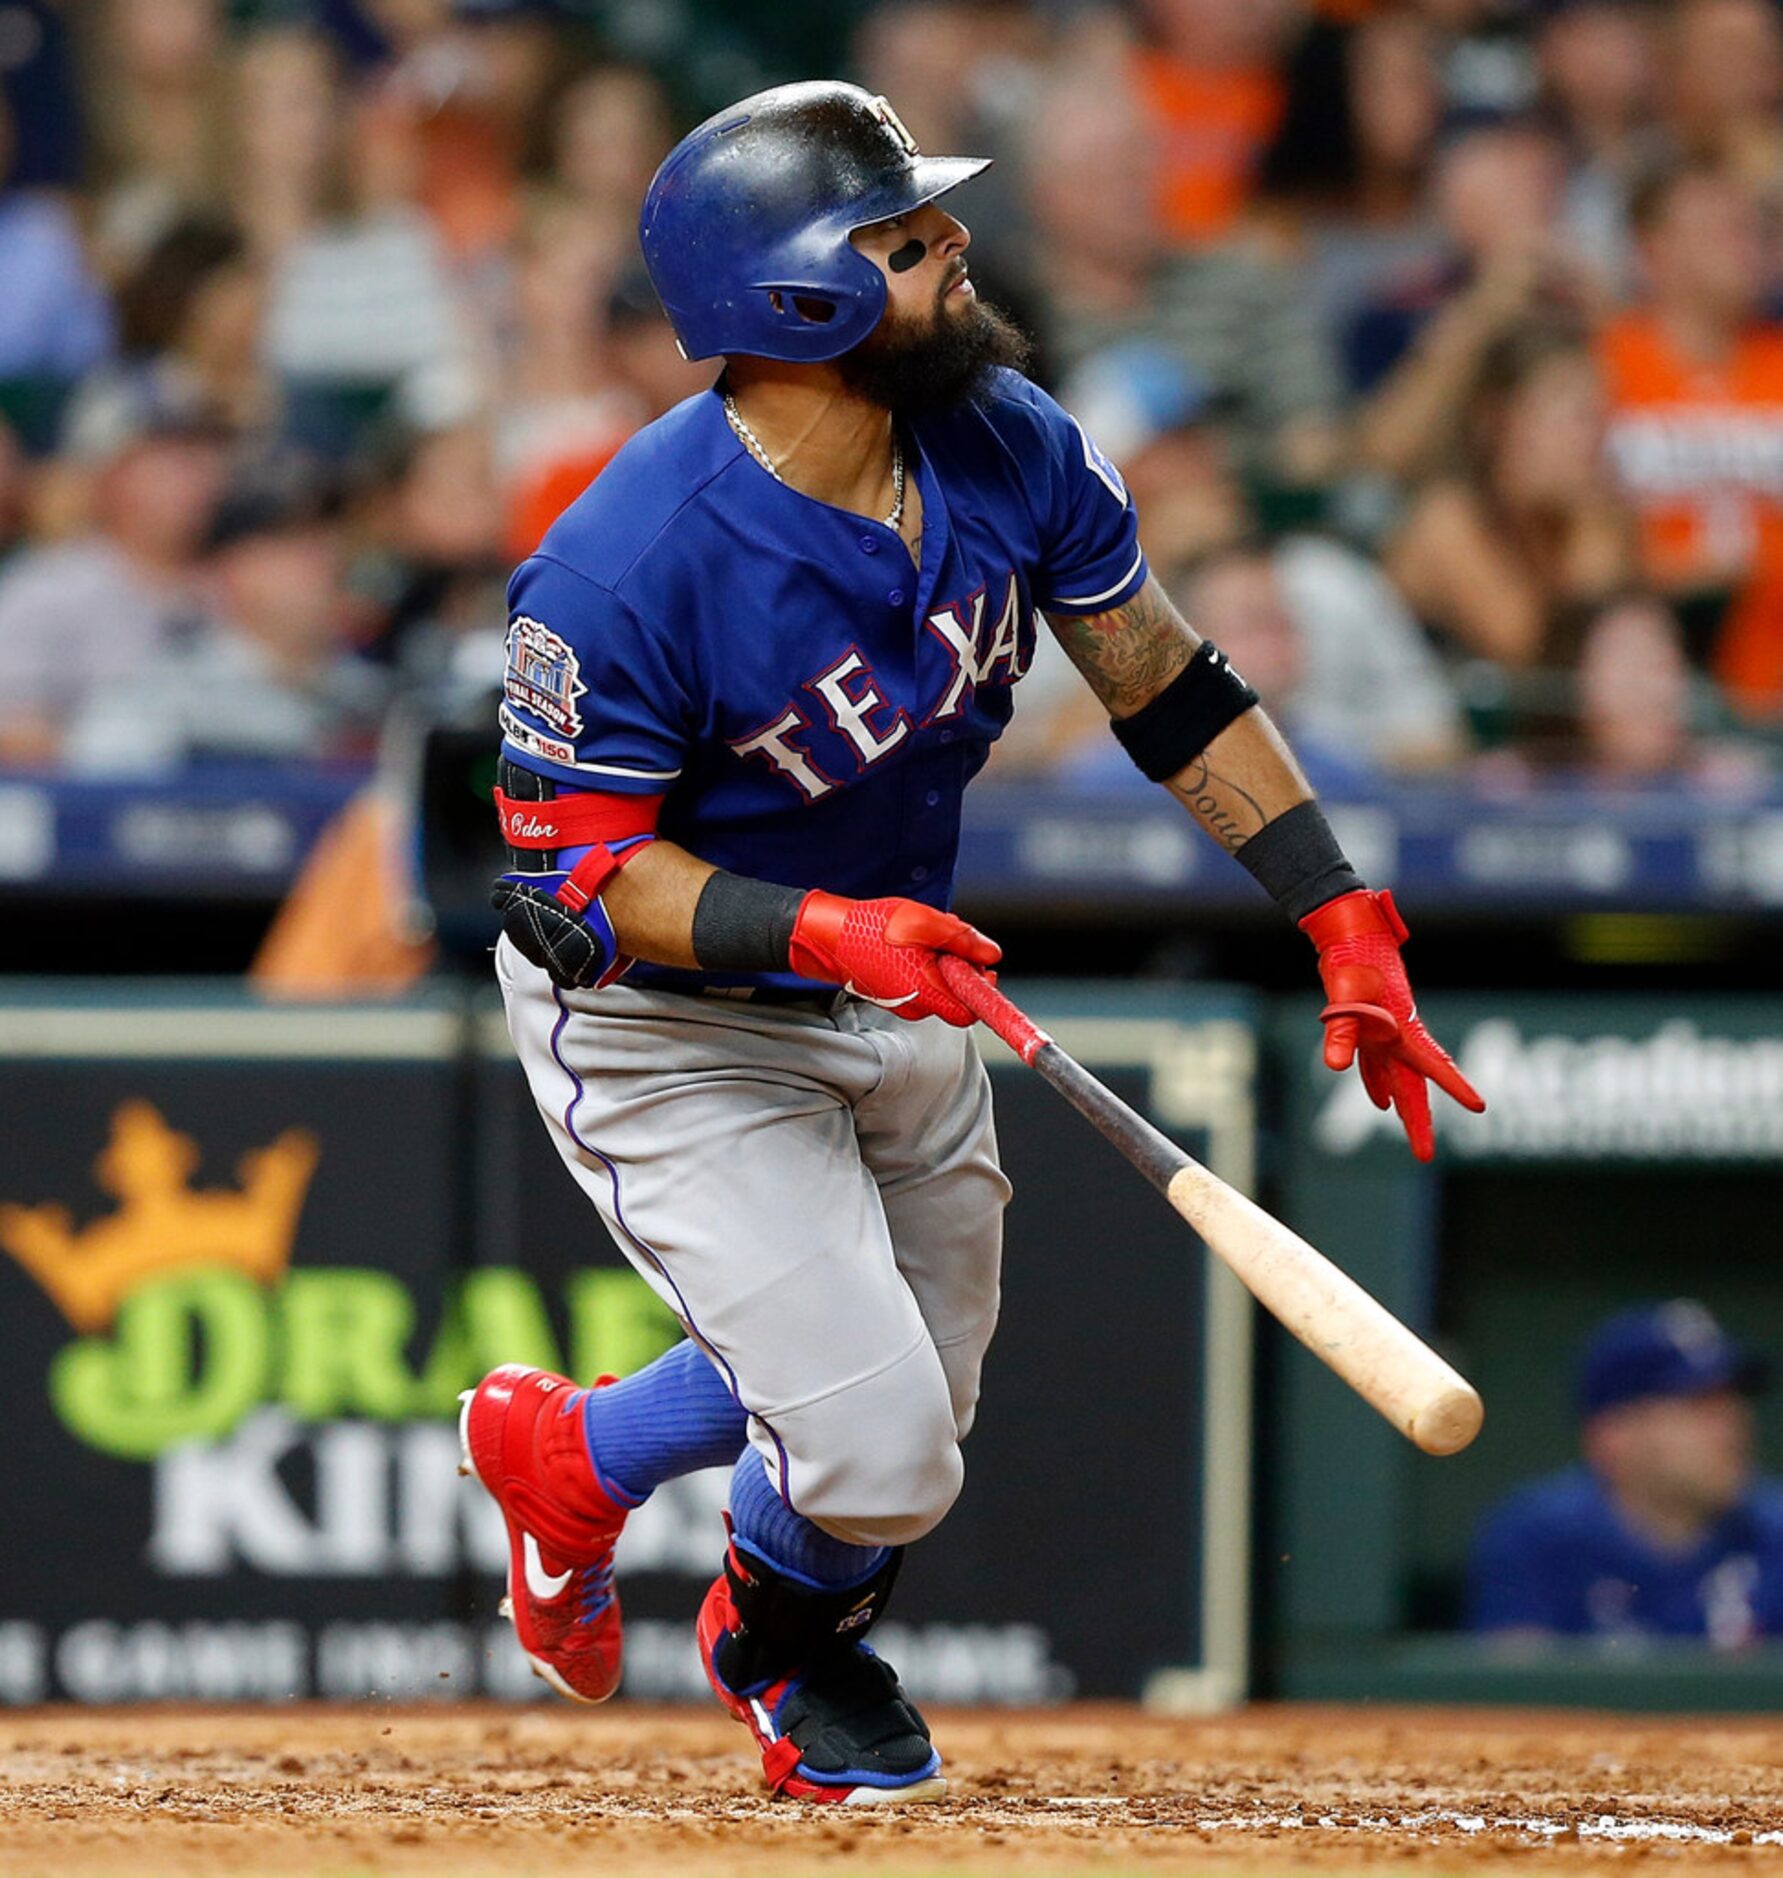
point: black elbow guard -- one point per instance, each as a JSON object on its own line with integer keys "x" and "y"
{"x": 1184, "y": 718}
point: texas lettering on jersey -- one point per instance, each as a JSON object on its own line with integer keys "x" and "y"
{"x": 983, "y": 649}
{"x": 808, "y": 700}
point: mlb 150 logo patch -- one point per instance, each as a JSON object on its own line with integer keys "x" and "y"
{"x": 543, "y": 676}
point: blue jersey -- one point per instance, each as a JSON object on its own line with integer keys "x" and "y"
{"x": 809, "y": 703}
{"x": 1558, "y": 1556}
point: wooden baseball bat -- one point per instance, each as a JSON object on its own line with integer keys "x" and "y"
{"x": 1388, "y": 1366}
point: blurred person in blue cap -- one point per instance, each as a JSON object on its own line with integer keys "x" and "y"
{"x": 1665, "y": 1530}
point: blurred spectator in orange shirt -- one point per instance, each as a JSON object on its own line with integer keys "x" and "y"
{"x": 555, "y": 403}
{"x": 642, "y": 375}
{"x": 1209, "y": 79}
{"x": 1530, "y": 525}
{"x": 1695, "y": 377}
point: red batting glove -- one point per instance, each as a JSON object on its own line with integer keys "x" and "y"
{"x": 1371, "y": 1019}
{"x": 886, "y": 951}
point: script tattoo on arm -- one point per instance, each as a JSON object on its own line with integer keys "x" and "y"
{"x": 1227, "y": 810}
{"x": 1129, "y": 655}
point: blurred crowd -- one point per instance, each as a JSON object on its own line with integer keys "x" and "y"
{"x": 1441, "y": 342}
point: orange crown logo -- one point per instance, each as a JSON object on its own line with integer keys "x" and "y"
{"x": 162, "y": 1224}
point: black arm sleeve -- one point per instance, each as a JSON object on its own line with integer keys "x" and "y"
{"x": 1168, "y": 734}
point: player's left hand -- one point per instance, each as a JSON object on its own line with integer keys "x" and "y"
{"x": 1371, "y": 1019}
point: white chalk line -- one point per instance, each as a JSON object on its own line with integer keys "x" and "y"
{"x": 1604, "y": 1826}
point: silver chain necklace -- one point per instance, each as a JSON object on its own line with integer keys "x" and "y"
{"x": 753, "y": 444}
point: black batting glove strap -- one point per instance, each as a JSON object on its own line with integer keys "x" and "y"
{"x": 744, "y": 925}
{"x": 1203, "y": 699}
{"x": 562, "y": 944}
{"x": 784, "y": 1626}
{"x": 1295, "y": 859}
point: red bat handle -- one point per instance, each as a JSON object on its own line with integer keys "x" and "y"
{"x": 982, "y": 998}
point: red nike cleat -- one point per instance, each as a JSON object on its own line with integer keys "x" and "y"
{"x": 840, "y": 1732}
{"x": 523, "y": 1438}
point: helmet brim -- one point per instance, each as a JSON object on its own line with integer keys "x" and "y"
{"x": 926, "y": 178}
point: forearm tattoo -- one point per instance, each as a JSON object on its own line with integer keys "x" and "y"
{"x": 1229, "y": 813}
{"x": 1129, "y": 655}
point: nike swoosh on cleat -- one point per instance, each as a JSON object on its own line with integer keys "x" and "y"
{"x": 885, "y": 1004}
{"x": 541, "y": 1583}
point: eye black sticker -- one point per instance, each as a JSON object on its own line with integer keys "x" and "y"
{"x": 902, "y": 260}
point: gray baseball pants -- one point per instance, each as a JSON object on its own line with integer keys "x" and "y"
{"x": 816, "y": 1196}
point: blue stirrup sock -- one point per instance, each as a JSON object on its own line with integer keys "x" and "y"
{"x": 672, "y": 1417}
{"x": 762, "y": 1523}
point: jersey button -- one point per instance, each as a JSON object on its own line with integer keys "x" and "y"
{"x": 919, "y": 874}
{"x": 933, "y": 797}
{"x": 947, "y": 736}
{"x": 896, "y": 596}
{"x": 869, "y": 545}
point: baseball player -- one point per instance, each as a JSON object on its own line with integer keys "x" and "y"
{"x": 750, "y": 673}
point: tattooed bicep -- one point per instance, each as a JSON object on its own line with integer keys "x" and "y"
{"x": 1130, "y": 654}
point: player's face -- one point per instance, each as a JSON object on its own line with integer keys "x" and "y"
{"x": 923, "y": 258}
{"x": 937, "y": 339}
{"x": 1693, "y": 1453}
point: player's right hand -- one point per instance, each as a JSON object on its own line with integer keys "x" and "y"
{"x": 577, "y": 947}
{"x": 887, "y": 951}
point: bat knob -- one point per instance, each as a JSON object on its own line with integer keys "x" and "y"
{"x": 1448, "y": 1421}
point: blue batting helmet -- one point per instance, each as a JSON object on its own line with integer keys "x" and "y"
{"x": 745, "y": 227}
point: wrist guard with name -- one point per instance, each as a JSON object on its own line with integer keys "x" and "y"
{"x": 1203, "y": 699}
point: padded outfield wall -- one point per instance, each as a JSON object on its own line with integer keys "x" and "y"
{"x": 249, "y": 1257}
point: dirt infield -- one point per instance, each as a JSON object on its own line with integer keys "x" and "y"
{"x": 463, "y": 1792}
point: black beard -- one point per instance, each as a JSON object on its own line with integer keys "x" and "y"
{"x": 938, "y": 365}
